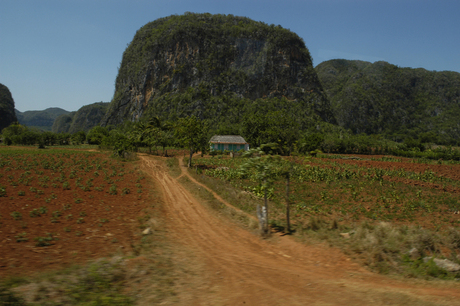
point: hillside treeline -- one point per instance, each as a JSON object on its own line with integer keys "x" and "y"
{"x": 275, "y": 132}
{"x": 397, "y": 103}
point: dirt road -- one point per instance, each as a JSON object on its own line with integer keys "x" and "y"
{"x": 239, "y": 268}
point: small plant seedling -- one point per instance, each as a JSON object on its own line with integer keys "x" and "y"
{"x": 78, "y": 233}
{"x": 69, "y": 217}
{"x": 16, "y": 215}
{"x": 67, "y": 229}
{"x": 80, "y": 220}
{"x": 2, "y": 191}
{"x": 125, "y": 191}
{"x": 78, "y": 200}
{"x": 113, "y": 189}
{"x": 21, "y": 193}
{"x": 22, "y": 237}
{"x": 43, "y": 210}
{"x": 66, "y": 186}
{"x": 57, "y": 214}
{"x": 44, "y": 241}
{"x": 34, "y": 213}
{"x": 82, "y": 214}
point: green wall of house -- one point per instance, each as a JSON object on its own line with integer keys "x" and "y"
{"x": 229, "y": 147}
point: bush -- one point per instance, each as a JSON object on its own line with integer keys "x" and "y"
{"x": 96, "y": 135}
{"x": 7, "y": 141}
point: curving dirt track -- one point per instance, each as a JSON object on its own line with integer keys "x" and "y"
{"x": 242, "y": 269}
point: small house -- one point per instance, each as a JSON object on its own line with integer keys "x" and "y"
{"x": 228, "y": 142}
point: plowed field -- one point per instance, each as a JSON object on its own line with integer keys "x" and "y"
{"x": 64, "y": 208}
{"x": 56, "y": 210}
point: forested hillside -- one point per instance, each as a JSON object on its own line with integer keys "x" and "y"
{"x": 42, "y": 120}
{"x": 7, "y": 115}
{"x": 380, "y": 98}
{"x": 218, "y": 67}
{"x": 84, "y": 119}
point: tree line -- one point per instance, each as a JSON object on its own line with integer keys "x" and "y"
{"x": 275, "y": 132}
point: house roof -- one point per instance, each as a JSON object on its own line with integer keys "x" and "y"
{"x": 227, "y": 139}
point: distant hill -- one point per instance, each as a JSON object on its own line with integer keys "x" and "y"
{"x": 62, "y": 123}
{"x": 216, "y": 67}
{"x": 381, "y": 98}
{"x": 42, "y": 120}
{"x": 7, "y": 114}
{"x": 84, "y": 119}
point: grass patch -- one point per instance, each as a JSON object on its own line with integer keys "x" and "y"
{"x": 173, "y": 166}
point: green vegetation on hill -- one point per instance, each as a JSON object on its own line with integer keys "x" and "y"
{"x": 216, "y": 67}
{"x": 62, "y": 123}
{"x": 381, "y": 98}
{"x": 84, "y": 119}
{"x": 42, "y": 120}
{"x": 7, "y": 115}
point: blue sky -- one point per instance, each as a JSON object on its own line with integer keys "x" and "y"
{"x": 66, "y": 53}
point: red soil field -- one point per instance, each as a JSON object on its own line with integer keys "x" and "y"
{"x": 59, "y": 227}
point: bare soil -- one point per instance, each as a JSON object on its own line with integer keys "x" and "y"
{"x": 91, "y": 224}
{"x": 239, "y": 268}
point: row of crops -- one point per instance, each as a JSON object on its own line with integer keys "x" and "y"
{"x": 324, "y": 187}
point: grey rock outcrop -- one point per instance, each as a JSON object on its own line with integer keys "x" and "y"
{"x": 445, "y": 264}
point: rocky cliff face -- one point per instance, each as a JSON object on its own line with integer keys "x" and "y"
{"x": 84, "y": 119}
{"x": 378, "y": 97}
{"x": 210, "y": 58}
{"x": 7, "y": 114}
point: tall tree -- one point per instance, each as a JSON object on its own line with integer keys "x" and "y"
{"x": 277, "y": 127}
{"x": 191, "y": 132}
